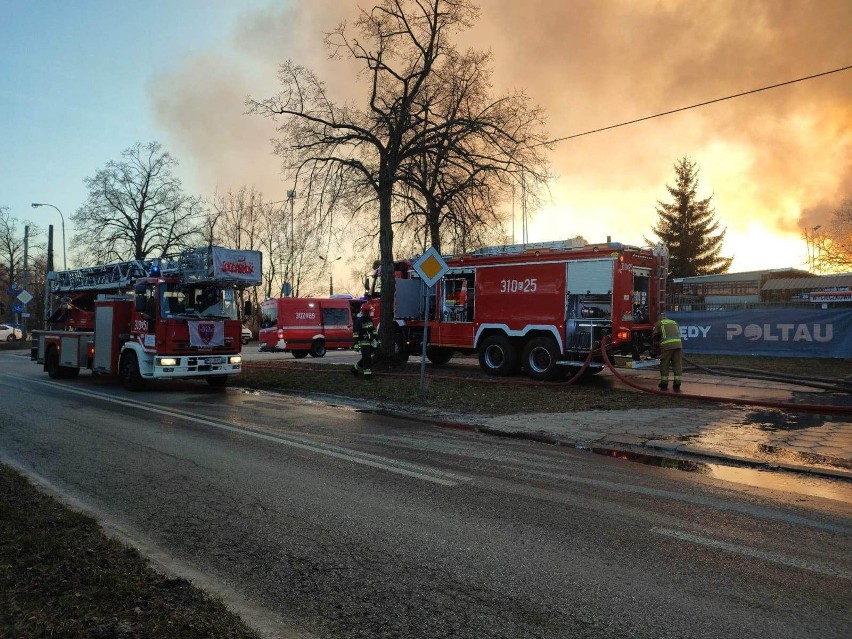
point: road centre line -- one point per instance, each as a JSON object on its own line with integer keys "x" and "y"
{"x": 754, "y": 553}
{"x": 415, "y": 471}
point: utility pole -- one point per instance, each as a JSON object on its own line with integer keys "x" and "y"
{"x": 291, "y": 263}
{"x": 26, "y": 278}
{"x": 47, "y": 271}
{"x": 811, "y": 246}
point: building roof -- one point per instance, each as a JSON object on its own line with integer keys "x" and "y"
{"x": 747, "y": 276}
{"x": 813, "y": 283}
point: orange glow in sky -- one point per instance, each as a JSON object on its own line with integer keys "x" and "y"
{"x": 776, "y": 162}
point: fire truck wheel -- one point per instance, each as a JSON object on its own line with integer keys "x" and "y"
{"x": 318, "y": 348}
{"x": 128, "y": 372}
{"x": 51, "y": 363}
{"x": 217, "y": 381}
{"x": 54, "y": 369}
{"x": 540, "y": 355}
{"x": 300, "y": 354}
{"x": 438, "y": 356}
{"x": 497, "y": 356}
{"x": 400, "y": 352}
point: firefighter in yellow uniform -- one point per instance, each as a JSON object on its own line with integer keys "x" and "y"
{"x": 364, "y": 338}
{"x": 667, "y": 338}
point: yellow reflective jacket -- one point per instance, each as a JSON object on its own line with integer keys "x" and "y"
{"x": 669, "y": 334}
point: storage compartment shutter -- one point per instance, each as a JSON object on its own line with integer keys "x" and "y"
{"x": 592, "y": 276}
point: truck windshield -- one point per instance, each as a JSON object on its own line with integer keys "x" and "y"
{"x": 197, "y": 301}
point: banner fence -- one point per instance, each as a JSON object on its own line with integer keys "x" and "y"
{"x": 778, "y": 332}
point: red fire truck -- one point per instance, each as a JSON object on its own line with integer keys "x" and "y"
{"x": 303, "y": 325}
{"x": 537, "y": 308}
{"x": 141, "y": 320}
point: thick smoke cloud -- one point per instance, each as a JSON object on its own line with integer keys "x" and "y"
{"x": 775, "y": 162}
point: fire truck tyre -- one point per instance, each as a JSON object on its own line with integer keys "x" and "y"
{"x": 318, "y": 348}
{"x": 400, "y": 352}
{"x": 217, "y": 381}
{"x": 497, "y": 356}
{"x": 128, "y": 372}
{"x": 540, "y": 355}
{"x": 438, "y": 356}
{"x": 300, "y": 354}
{"x": 51, "y": 363}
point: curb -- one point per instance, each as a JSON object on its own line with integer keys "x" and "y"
{"x": 624, "y": 444}
{"x": 657, "y": 449}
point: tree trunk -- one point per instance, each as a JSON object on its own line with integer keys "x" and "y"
{"x": 434, "y": 221}
{"x": 386, "y": 255}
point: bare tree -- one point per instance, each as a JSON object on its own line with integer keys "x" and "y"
{"x": 136, "y": 208}
{"x": 288, "y": 236}
{"x": 400, "y": 44}
{"x": 480, "y": 147}
{"x": 12, "y": 254}
{"x": 833, "y": 245}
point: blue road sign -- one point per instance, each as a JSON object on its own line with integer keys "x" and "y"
{"x": 17, "y": 308}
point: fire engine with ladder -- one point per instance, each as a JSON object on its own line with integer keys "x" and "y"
{"x": 539, "y": 308}
{"x": 141, "y": 320}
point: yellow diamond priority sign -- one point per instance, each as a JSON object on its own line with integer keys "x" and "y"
{"x": 430, "y": 266}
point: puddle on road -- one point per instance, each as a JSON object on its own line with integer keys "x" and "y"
{"x": 800, "y": 484}
{"x": 769, "y": 419}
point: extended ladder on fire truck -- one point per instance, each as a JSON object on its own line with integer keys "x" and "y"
{"x": 104, "y": 277}
{"x": 510, "y": 249}
{"x": 191, "y": 265}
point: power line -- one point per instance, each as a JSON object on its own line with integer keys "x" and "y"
{"x": 695, "y": 106}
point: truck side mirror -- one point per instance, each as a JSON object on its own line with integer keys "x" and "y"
{"x": 246, "y": 309}
{"x": 141, "y": 301}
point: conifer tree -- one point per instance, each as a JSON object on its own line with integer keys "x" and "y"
{"x": 688, "y": 226}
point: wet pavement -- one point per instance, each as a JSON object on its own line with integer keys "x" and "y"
{"x": 780, "y": 436}
{"x": 777, "y": 434}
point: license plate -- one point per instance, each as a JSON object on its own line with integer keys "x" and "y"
{"x": 215, "y": 360}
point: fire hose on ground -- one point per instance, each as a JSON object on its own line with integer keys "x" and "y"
{"x": 834, "y": 385}
{"x": 812, "y": 408}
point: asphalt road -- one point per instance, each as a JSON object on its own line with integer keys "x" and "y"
{"x": 322, "y": 521}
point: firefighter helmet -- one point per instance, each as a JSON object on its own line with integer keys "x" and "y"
{"x": 367, "y": 308}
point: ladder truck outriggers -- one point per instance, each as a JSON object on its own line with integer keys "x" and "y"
{"x": 538, "y": 308}
{"x": 141, "y": 320}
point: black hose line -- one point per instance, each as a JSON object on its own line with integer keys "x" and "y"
{"x": 750, "y": 373}
{"x": 810, "y": 408}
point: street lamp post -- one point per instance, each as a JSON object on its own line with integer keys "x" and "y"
{"x": 35, "y": 205}
{"x": 330, "y": 274}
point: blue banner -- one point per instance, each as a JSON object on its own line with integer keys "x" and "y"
{"x": 784, "y": 332}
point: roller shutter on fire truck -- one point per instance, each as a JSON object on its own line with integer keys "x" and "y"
{"x": 591, "y": 276}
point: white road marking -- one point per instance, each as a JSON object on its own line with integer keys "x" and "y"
{"x": 747, "y": 551}
{"x": 365, "y": 459}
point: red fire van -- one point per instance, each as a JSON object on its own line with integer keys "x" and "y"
{"x": 303, "y": 325}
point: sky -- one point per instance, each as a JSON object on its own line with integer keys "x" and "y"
{"x": 84, "y": 80}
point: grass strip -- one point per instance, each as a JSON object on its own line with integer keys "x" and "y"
{"x": 61, "y": 576}
{"x": 459, "y": 389}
